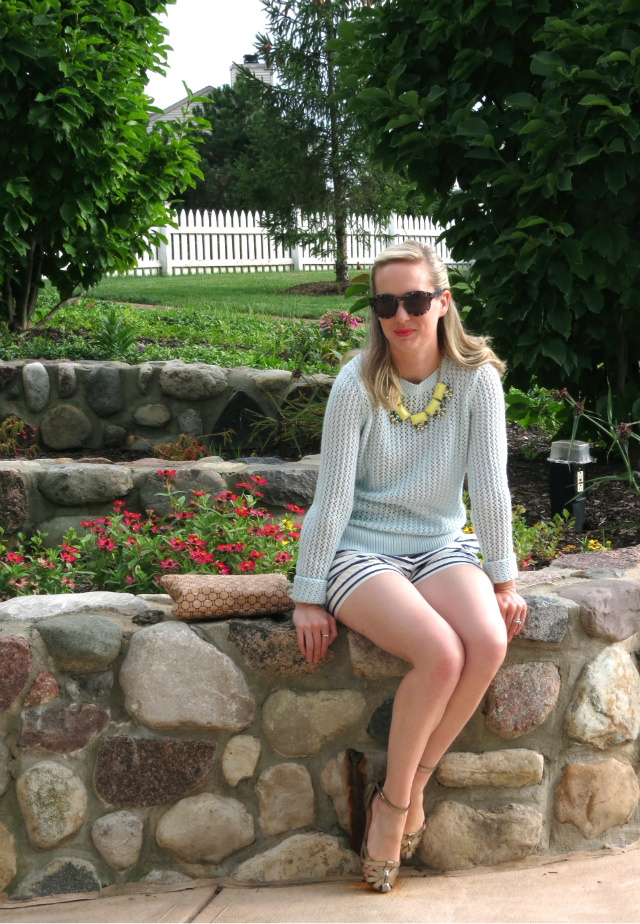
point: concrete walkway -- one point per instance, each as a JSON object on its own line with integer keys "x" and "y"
{"x": 595, "y": 887}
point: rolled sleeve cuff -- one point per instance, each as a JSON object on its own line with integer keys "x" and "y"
{"x": 501, "y": 570}
{"x": 309, "y": 590}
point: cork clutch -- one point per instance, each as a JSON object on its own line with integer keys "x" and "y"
{"x": 219, "y": 596}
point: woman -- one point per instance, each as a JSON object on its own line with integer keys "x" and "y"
{"x": 382, "y": 547}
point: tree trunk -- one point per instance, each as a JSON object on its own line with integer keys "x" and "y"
{"x": 339, "y": 189}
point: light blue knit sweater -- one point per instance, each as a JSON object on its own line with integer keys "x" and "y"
{"x": 387, "y": 488}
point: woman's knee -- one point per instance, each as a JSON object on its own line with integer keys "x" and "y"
{"x": 441, "y": 659}
{"x": 488, "y": 652}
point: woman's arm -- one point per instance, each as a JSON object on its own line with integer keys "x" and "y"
{"x": 329, "y": 514}
{"x": 490, "y": 497}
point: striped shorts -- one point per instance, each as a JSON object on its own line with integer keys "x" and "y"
{"x": 351, "y": 568}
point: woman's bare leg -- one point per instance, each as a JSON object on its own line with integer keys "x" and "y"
{"x": 391, "y": 612}
{"x": 463, "y": 596}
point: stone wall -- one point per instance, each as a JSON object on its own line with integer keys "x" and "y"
{"x": 134, "y": 747}
{"x": 95, "y": 405}
{"x": 54, "y": 494}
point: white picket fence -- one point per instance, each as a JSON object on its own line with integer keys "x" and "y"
{"x": 218, "y": 242}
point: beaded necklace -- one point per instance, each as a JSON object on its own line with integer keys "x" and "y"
{"x": 435, "y": 408}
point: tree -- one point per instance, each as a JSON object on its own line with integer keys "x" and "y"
{"x": 255, "y": 156}
{"x": 520, "y": 122}
{"x": 82, "y": 182}
{"x": 331, "y": 150}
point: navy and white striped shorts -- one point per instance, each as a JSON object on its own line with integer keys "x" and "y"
{"x": 351, "y": 568}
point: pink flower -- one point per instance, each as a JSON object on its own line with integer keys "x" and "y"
{"x": 258, "y": 479}
{"x": 128, "y": 579}
{"x": 241, "y": 511}
{"x": 107, "y": 544}
{"x": 167, "y": 472}
{"x": 246, "y": 566}
{"x": 169, "y": 564}
{"x": 293, "y": 508}
{"x": 13, "y": 558}
{"x": 282, "y": 557}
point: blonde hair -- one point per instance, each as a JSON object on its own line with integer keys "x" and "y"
{"x": 378, "y": 371}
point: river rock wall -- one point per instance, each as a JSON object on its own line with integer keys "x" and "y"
{"x": 52, "y": 495}
{"x": 134, "y": 747}
{"x": 96, "y": 405}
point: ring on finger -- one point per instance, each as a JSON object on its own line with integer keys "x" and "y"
{"x": 518, "y": 622}
{"x": 326, "y": 636}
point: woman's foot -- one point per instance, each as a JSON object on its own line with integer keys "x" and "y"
{"x": 385, "y": 832}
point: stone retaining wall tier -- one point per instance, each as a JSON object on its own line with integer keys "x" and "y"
{"x": 159, "y": 753}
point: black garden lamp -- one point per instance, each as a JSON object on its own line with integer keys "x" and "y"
{"x": 567, "y": 462}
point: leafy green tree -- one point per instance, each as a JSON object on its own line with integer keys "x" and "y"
{"x": 333, "y": 150}
{"x": 82, "y": 182}
{"x": 520, "y": 122}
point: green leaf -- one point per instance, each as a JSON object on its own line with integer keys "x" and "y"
{"x": 535, "y": 125}
{"x": 373, "y": 93}
{"x": 410, "y": 98}
{"x": 521, "y": 101}
{"x": 555, "y": 349}
{"x": 595, "y": 99}
{"x": 615, "y": 175}
{"x": 531, "y": 221}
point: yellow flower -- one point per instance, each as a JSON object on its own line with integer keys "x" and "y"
{"x": 569, "y": 548}
{"x": 288, "y": 524}
{"x": 594, "y": 545}
{"x": 467, "y": 529}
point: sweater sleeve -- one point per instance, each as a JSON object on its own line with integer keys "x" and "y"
{"x": 329, "y": 514}
{"x": 487, "y": 476}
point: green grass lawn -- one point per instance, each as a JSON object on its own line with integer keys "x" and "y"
{"x": 226, "y": 318}
{"x": 246, "y": 293}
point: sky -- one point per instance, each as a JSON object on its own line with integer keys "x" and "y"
{"x": 206, "y": 37}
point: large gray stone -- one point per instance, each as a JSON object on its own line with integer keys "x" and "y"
{"x": 152, "y": 415}
{"x": 301, "y": 857}
{"x": 294, "y": 483}
{"x": 515, "y": 767}
{"x": 145, "y": 374}
{"x": 50, "y": 606}
{"x": 547, "y": 619}
{"x": 205, "y": 828}
{"x": 299, "y": 724}
{"x": 64, "y": 876}
{"x": 458, "y": 836}
{"x": 8, "y": 857}
{"x": 14, "y": 500}
{"x": 118, "y": 839}
{"x": 67, "y": 381}
{"x": 91, "y": 688}
{"x": 53, "y": 802}
{"x": 192, "y": 382}
{"x": 596, "y": 796}
{"x": 285, "y": 798}
{"x": 82, "y": 644}
{"x": 65, "y": 427}
{"x": 103, "y": 387}
{"x": 73, "y": 484}
{"x": 172, "y": 679}
{"x": 153, "y": 492}
{"x": 190, "y": 422}
{"x": 605, "y": 709}
{"x": 37, "y": 387}
{"x": 608, "y": 609}
{"x": 372, "y": 662}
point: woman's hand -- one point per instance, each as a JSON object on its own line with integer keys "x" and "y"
{"x": 513, "y": 608}
{"x": 316, "y": 630}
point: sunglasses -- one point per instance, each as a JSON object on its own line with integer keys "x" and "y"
{"x": 415, "y": 303}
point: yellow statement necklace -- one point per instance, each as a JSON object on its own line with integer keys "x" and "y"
{"x": 435, "y": 408}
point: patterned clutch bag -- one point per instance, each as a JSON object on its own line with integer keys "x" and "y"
{"x": 219, "y": 596}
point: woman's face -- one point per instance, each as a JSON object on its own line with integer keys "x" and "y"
{"x": 411, "y": 338}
